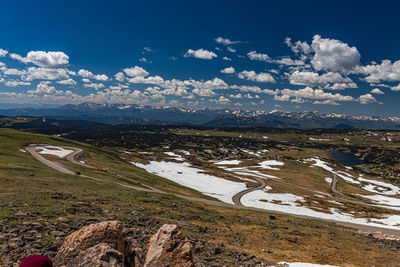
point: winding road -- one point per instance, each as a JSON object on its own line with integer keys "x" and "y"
{"x": 260, "y": 185}
{"x": 54, "y": 165}
{"x": 236, "y": 198}
{"x": 71, "y": 157}
{"x": 333, "y": 185}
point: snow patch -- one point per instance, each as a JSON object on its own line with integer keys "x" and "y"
{"x": 186, "y": 175}
{"x": 175, "y": 156}
{"x": 319, "y": 139}
{"x": 268, "y": 163}
{"x": 257, "y": 153}
{"x": 305, "y": 264}
{"x": 185, "y": 152}
{"x": 264, "y": 200}
{"x": 228, "y": 162}
{"x": 370, "y": 185}
{"x": 384, "y": 200}
{"x": 384, "y": 188}
{"x": 247, "y": 172}
{"x": 55, "y": 150}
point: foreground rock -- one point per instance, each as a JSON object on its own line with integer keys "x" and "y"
{"x": 99, "y": 255}
{"x": 100, "y": 244}
{"x": 103, "y": 243}
{"x": 168, "y": 248}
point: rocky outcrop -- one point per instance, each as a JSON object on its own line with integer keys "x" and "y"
{"x": 104, "y": 244}
{"x": 100, "y": 255}
{"x": 105, "y": 232}
{"x": 96, "y": 243}
{"x": 113, "y": 243}
{"x": 168, "y": 248}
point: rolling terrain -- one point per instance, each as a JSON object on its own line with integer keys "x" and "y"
{"x": 255, "y": 214}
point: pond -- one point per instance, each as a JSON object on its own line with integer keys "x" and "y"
{"x": 345, "y": 158}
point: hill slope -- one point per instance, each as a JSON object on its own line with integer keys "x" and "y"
{"x": 32, "y": 192}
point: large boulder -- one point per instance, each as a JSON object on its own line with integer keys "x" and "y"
{"x": 100, "y": 255}
{"x": 109, "y": 234}
{"x": 168, "y": 248}
{"x": 104, "y": 244}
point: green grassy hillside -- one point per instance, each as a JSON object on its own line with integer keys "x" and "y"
{"x": 29, "y": 187}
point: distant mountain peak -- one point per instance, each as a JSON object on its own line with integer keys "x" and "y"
{"x": 115, "y": 113}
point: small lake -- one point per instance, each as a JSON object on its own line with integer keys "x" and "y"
{"x": 345, "y": 158}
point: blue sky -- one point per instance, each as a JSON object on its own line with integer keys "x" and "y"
{"x": 339, "y": 56}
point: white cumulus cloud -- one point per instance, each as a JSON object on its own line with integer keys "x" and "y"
{"x": 87, "y": 74}
{"x": 333, "y": 55}
{"x": 119, "y": 77}
{"x": 317, "y": 94}
{"x": 48, "y": 59}
{"x": 96, "y": 86}
{"x": 67, "y": 82}
{"x": 200, "y": 53}
{"x": 19, "y": 58}
{"x": 395, "y": 88}
{"x": 377, "y": 91}
{"x": 3, "y": 52}
{"x": 253, "y": 55}
{"x": 136, "y": 72}
{"x": 34, "y": 73}
{"x": 326, "y": 102}
{"x": 225, "y": 41}
{"x": 256, "y": 77}
{"x": 230, "y": 49}
{"x": 221, "y": 100}
{"x": 386, "y": 71}
{"x": 331, "y": 80}
{"x": 16, "y": 83}
{"x": 229, "y": 70}
{"x": 52, "y": 59}
{"x": 298, "y": 47}
{"x": 45, "y": 88}
{"x": 147, "y": 80}
{"x": 366, "y": 99}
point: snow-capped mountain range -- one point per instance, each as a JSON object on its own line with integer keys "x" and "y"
{"x": 137, "y": 114}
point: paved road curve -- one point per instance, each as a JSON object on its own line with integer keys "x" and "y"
{"x": 71, "y": 157}
{"x": 54, "y": 165}
{"x": 59, "y": 167}
{"x": 333, "y": 186}
{"x": 260, "y": 185}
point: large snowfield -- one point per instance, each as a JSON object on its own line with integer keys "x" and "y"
{"x": 186, "y": 175}
{"x": 289, "y": 203}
